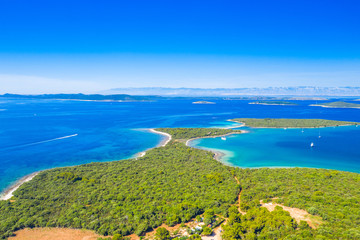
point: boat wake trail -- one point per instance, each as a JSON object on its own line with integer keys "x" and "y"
{"x": 40, "y": 142}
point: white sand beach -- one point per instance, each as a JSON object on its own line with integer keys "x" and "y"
{"x": 161, "y": 144}
{"x": 165, "y": 141}
{"x": 8, "y": 193}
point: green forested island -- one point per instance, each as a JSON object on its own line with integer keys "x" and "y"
{"x": 273, "y": 103}
{"x": 290, "y": 123}
{"x": 338, "y": 104}
{"x": 175, "y": 183}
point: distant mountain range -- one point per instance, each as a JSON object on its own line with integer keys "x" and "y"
{"x": 158, "y": 93}
{"x": 84, "y": 97}
{"x": 237, "y": 92}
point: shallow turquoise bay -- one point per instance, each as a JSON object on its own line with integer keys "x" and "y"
{"x": 336, "y": 148}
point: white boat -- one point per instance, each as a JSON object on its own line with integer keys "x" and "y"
{"x": 312, "y": 144}
{"x": 223, "y": 138}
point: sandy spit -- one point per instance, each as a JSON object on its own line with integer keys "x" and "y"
{"x": 163, "y": 143}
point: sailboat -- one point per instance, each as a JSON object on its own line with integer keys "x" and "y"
{"x": 312, "y": 144}
{"x": 319, "y": 134}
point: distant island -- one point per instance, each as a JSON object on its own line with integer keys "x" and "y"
{"x": 307, "y": 98}
{"x": 203, "y": 102}
{"x": 187, "y": 189}
{"x": 339, "y": 104}
{"x": 85, "y": 97}
{"x": 285, "y": 103}
{"x": 291, "y": 123}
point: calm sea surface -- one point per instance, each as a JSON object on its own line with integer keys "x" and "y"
{"x": 334, "y": 148}
{"x": 42, "y": 134}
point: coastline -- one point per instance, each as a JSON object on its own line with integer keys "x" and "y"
{"x": 235, "y": 126}
{"x": 224, "y": 135}
{"x": 218, "y": 154}
{"x": 162, "y": 143}
{"x": 8, "y": 193}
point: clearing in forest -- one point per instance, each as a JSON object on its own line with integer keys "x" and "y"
{"x": 296, "y": 213}
{"x": 54, "y": 233}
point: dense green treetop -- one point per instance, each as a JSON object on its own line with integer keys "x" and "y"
{"x": 290, "y": 123}
{"x": 169, "y": 185}
{"x": 162, "y": 234}
{"x": 259, "y": 223}
{"x": 188, "y": 133}
{"x": 330, "y": 194}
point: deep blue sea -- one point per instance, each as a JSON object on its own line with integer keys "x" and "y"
{"x": 42, "y": 134}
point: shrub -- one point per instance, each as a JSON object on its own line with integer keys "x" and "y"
{"x": 162, "y": 234}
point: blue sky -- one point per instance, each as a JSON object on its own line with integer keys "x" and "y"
{"x": 89, "y": 46}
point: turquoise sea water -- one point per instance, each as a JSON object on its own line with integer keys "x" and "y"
{"x": 337, "y": 148}
{"x": 42, "y": 134}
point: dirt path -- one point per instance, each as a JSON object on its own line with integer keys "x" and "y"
{"x": 239, "y": 202}
{"x": 239, "y": 197}
{"x": 237, "y": 180}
